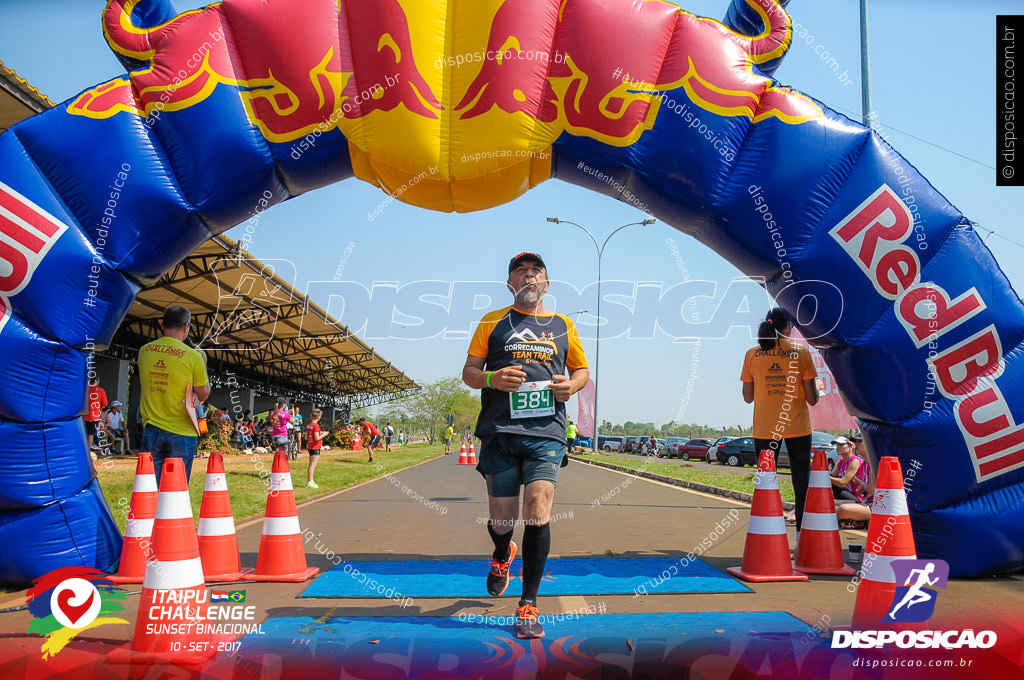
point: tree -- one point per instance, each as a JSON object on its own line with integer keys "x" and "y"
{"x": 428, "y": 409}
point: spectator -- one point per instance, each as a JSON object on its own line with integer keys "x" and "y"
{"x": 849, "y": 478}
{"x": 166, "y": 367}
{"x": 297, "y": 419}
{"x": 115, "y": 425}
{"x": 779, "y": 379}
{"x": 280, "y": 418}
{"x": 97, "y": 401}
{"x": 570, "y": 436}
{"x": 389, "y": 433}
{"x": 370, "y": 434}
{"x": 856, "y": 514}
{"x": 314, "y": 437}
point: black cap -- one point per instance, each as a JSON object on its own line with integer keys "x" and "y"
{"x": 282, "y": 400}
{"x": 514, "y": 262}
{"x": 361, "y": 420}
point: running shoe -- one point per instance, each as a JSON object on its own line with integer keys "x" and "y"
{"x": 312, "y": 485}
{"x": 497, "y": 577}
{"x": 528, "y": 622}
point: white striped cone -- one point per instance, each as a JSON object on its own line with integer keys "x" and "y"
{"x": 138, "y": 530}
{"x": 766, "y": 551}
{"x": 889, "y": 538}
{"x": 282, "y": 555}
{"x": 218, "y": 544}
{"x": 173, "y": 604}
{"x": 820, "y": 551}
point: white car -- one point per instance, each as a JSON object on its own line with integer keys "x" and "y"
{"x": 713, "y": 449}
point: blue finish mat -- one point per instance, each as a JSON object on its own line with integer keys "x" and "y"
{"x": 623, "y": 645}
{"x": 573, "y": 576}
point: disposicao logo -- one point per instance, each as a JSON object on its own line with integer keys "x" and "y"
{"x": 70, "y": 600}
{"x": 914, "y": 602}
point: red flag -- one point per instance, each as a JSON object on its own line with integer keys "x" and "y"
{"x": 585, "y": 419}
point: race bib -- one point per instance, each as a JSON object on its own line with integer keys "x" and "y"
{"x": 532, "y": 400}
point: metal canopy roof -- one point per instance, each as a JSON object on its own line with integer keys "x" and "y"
{"x": 18, "y": 99}
{"x": 261, "y": 333}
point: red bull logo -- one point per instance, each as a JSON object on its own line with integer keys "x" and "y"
{"x": 539, "y": 69}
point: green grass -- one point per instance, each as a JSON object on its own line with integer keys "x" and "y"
{"x": 336, "y": 470}
{"x": 722, "y": 479}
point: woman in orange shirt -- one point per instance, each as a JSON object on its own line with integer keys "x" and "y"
{"x": 779, "y": 378}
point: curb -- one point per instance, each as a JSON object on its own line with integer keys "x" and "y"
{"x": 705, "y": 488}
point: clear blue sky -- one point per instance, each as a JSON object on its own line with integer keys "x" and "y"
{"x": 932, "y": 77}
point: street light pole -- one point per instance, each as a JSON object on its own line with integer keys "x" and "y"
{"x": 597, "y": 341}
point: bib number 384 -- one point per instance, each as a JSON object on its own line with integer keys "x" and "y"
{"x": 532, "y": 400}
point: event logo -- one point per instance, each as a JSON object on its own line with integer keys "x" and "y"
{"x": 70, "y": 600}
{"x": 914, "y": 601}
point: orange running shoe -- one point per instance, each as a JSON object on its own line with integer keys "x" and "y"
{"x": 528, "y": 621}
{"x": 497, "y": 577}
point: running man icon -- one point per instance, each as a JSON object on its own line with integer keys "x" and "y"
{"x": 919, "y": 578}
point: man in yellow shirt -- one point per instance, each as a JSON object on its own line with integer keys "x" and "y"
{"x": 448, "y": 434}
{"x": 166, "y": 367}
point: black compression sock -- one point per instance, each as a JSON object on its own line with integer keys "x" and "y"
{"x": 501, "y": 543}
{"x": 536, "y": 546}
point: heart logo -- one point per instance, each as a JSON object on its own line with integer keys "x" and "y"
{"x": 73, "y": 612}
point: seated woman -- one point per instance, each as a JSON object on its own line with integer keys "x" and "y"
{"x": 855, "y": 512}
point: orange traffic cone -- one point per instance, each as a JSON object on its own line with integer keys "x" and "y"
{"x": 471, "y": 459}
{"x": 173, "y": 605}
{"x": 138, "y": 531}
{"x": 819, "y": 550}
{"x": 218, "y": 544}
{"x": 463, "y": 460}
{"x": 766, "y": 552}
{"x": 282, "y": 555}
{"x": 889, "y": 539}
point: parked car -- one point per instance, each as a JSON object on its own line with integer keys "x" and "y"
{"x": 715, "y": 445}
{"x": 695, "y": 448}
{"x": 740, "y": 452}
{"x": 609, "y": 443}
{"x": 671, "y": 446}
{"x": 630, "y": 443}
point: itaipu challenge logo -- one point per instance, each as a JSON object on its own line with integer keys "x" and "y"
{"x": 70, "y": 600}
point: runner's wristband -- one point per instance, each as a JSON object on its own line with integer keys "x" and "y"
{"x": 489, "y": 378}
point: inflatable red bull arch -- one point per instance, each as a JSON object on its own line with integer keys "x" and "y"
{"x": 247, "y": 103}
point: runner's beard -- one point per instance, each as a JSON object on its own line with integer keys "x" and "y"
{"x": 529, "y": 296}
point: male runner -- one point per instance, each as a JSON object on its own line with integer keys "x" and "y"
{"x": 518, "y": 358}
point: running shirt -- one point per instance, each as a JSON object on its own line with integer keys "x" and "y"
{"x": 779, "y": 400}
{"x": 166, "y": 366}
{"x": 570, "y": 432}
{"x": 371, "y": 428}
{"x": 544, "y": 346}
{"x": 449, "y": 433}
{"x": 313, "y": 442}
{"x": 281, "y": 424}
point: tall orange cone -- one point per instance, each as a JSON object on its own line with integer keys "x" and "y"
{"x": 218, "y": 544}
{"x": 463, "y": 460}
{"x": 766, "y": 552}
{"x": 471, "y": 459}
{"x": 138, "y": 530}
{"x": 820, "y": 550}
{"x": 889, "y": 539}
{"x": 282, "y": 555}
{"x": 173, "y": 605}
